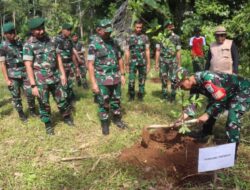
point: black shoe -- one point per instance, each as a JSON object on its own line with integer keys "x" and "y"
{"x": 49, "y": 128}
{"x": 96, "y": 98}
{"x": 85, "y": 85}
{"x": 33, "y": 112}
{"x": 105, "y": 127}
{"x": 119, "y": 123}
{"x": 131, "y": 98}
{"x": 69, "y": 121}
{"x": 22, "y": 116}
{"x": 140, "y": 96}
{"x": 79, "y": 83}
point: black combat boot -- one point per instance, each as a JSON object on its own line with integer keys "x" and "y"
{"x": 69, "y": 121}
{"x": 117, "y": 120}
{"x": 22, "y": 116}
{"x": 85, "y": 85}
{"x": 79, "y": 83}
{"x": 33, "y": 112}
{"x": 140, "y": 96}
{"x": 105, "y": 127}
{"x": 49, "y": 128}
{"x": 131, "y": 98}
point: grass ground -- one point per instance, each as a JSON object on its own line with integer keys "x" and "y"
{"x": 29, "y": 159}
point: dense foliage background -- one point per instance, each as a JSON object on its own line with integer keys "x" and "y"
{"x": 186, "y": 14}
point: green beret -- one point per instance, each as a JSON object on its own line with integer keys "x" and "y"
{"x": 7, "y": 27}
{"x": 67, "y": 26}
{"x": 168, "y": 22}
{"x": 35, "y": 22}
{"x": 105, "y": 23}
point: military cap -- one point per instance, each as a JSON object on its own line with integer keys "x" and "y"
{"x": 105, "y": 23}
{"x": 220, "y": 30}
{"x": 35, "y": 22}
{"x": 7, "y": 27}
{"x": 168, "y": 22}
{"x": 179, "y": 75}
{"x": 67, "y": 26}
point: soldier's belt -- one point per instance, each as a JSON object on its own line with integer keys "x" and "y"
{"x": 66, "y": 60}
{"x": 16, "y": 65}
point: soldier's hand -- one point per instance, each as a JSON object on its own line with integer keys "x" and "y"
{"x": 63, "y": 80}
{"x": 95, "y": 89}
{"x": 9, "y": 83}
{"x": 203, "y": 118}
{"x": 123, "y": 80}
{"x": 35, "y": 92}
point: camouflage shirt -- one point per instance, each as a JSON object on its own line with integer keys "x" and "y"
{"x": 65, "y": 48}
{"x": 137, "y": 45}
{"x": 222, "y": 90}
{"x": 105, "y": 55}
{"x": 80, "y": 49}
{"x": 169, "y": 48}
{"x": 11, "y": 54}
{"x": 42, "y": 52}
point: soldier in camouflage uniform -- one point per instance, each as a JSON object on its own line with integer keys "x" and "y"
{"x": 106, "y": 74}
{"x": 65, "y": 45}
{"x": 14, "y": 70}
{"x": 82, "y": 65}
{"x": 224, "y": 91}
{"x": 170, "y": 59}
{"x": 43, "y": 64}
{"x": 137, "y": 56}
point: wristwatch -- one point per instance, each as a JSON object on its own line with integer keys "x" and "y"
{"x": 33, "y": 85}
{"x": 123, "y": 74}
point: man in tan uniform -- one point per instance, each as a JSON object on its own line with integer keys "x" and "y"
{"x": 223, "y": 54}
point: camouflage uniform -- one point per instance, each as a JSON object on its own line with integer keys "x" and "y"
{"x": 224, "y": 91}
{"x": 168, "y": 64}
{"x": 11, "y": 54}
{"x": 137, "y": 45}
{"x": 83, "y": 69}
{"x": 65, "y": 48}
{"x": 42, "y": 52}
{"x": 106, "y": 55}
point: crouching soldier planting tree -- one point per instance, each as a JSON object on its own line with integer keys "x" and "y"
{"x": 14, "y": 70}
{"x": 43, "y": 64}
{"x": 224, "y": 91}
{"x": 106, "y": 73}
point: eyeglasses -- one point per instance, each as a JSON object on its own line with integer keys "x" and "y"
{"x": 220, "y": 35}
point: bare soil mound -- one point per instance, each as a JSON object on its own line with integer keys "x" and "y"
{"x": 167, "y": 152}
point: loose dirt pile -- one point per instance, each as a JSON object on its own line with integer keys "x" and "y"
{"x": 167, "y": 152}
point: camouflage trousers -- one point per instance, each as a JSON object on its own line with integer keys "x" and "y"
{"x": 198, "y": 64}
{"x": 109, "y": 98}
{"x": 167, "y": 69}
{"x": 142, "y": 75}
{"x": 59, "y": 96}
{"x": 236, "y": 108}
{"x": 83, "y": 73}
{"x": 70, "y": 73}
{"x": 15, "y": 90}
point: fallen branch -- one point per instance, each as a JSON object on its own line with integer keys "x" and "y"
{"x": 89, "y": 157}
{"x": 245, "y": 141}
{"x": 76, "y": 158}
{"x": 95, "y": 164}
